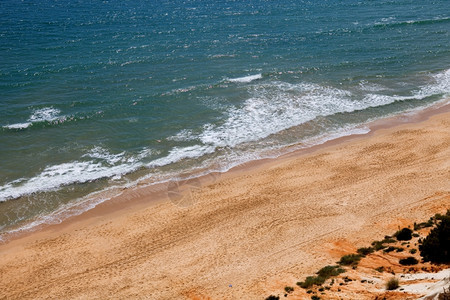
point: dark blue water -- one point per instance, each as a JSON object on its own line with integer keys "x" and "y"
{"x": 95, "y": 95}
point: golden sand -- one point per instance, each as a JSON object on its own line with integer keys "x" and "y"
{"x": 248, "y": 234}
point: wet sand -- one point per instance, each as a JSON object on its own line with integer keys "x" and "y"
{"x": 247, "y": 233}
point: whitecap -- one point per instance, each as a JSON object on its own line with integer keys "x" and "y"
{"x": 48, "y": 114}
{"x": 18, "y": 125}
{"x": 245, "y": 79}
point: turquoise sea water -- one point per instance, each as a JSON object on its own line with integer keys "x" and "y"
{"x": 98, "y": 94}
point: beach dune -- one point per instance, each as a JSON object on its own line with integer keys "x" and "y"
{"x": 247, "y": 234}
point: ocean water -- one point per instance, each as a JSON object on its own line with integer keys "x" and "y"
{"x": 96, "y": 95}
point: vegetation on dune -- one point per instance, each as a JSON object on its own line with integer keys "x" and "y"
{"x": 392, "y": 284}
{"x": 429, "y": 223}
{"x": 322, "y": 275}
{"x": 409, "y": 261}
{"x": 365, "y": 251}
{"x": 310, "y": 281}
{"x": 436, "y": 246}
{"x": 391, "y": 248}
{"x": 350, "y": 260}
{"x": 379, "y": 245}
{"x": 404, "y": 235}
{"x": 328, "y": 271}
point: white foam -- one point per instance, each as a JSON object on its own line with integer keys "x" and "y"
{"x": 271, "y": 108}
{"x": 440, "y": 85}
{"x": 246, "y": 79}
{"x": 177, "y": 154}
{"x": 48, "y": 114}
{"x": 18, "y": 125}
{"x": 183, "y": 135}
{"x": 55, "y": 176}
{"x": 103, "y": 154}
{"x": 45, "y": 114}
{"x": 275, "y": 107}
{"x": 103, "y": 165}
{"x": 371, "y": 87}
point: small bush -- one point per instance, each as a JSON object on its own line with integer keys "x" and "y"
{"x": 428, "y": 223}
{"x": 310, "y": 281}
{"x": 272, "y": 297}
{"x": 380, "y": 269}
{"x": 413, "y": 251}
{"x": 378, "y": 245}
{"x": 350, "y": 260}
{"x": 436, "y": 246}
{"x": 400, "y": 249}
{"x": 328, "y": 271}
{"x": 346, "y": 279}
{"x": 388, "y": 240}
{"x": 365, "y": 251}
{"x": 390, "y": 249}
{"x": 288, "y": 289}
{"x": 409, "y": 261}
{"x": 315, "y": 297}
{"x": 404, "y": 235}
{"x": 392, "y": 284}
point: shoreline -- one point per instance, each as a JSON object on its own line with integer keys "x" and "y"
{"x": 259, "y": 227}
{"x": 136, "y": 197}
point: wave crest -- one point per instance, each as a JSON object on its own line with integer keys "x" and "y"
{"x": 246, "y": 79}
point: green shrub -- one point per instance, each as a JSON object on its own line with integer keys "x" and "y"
{"x": 350, "y": 260}
{"x": 310, "y": 281}
{"x": 400, "y": 249}
{"x": 328, "y": 271}
{"x": 272, "y": 297}
{"x": 436, "y": 246}
{"x": 409, "y": 261}
{"x": 365, "y": 251}
{"x": 413, "y": 251}
{"x": 378, "y": 245}
{"x": 392, "y": 284}
{"x": 404, "y": 235}
{"x": 388, "y": 240}
{"x": 428, "y": 223}
{"x": 289, "y": 289}
{"x": 315, "y": 297}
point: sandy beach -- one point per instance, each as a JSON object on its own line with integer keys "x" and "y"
{"x": 246, "y": 234}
